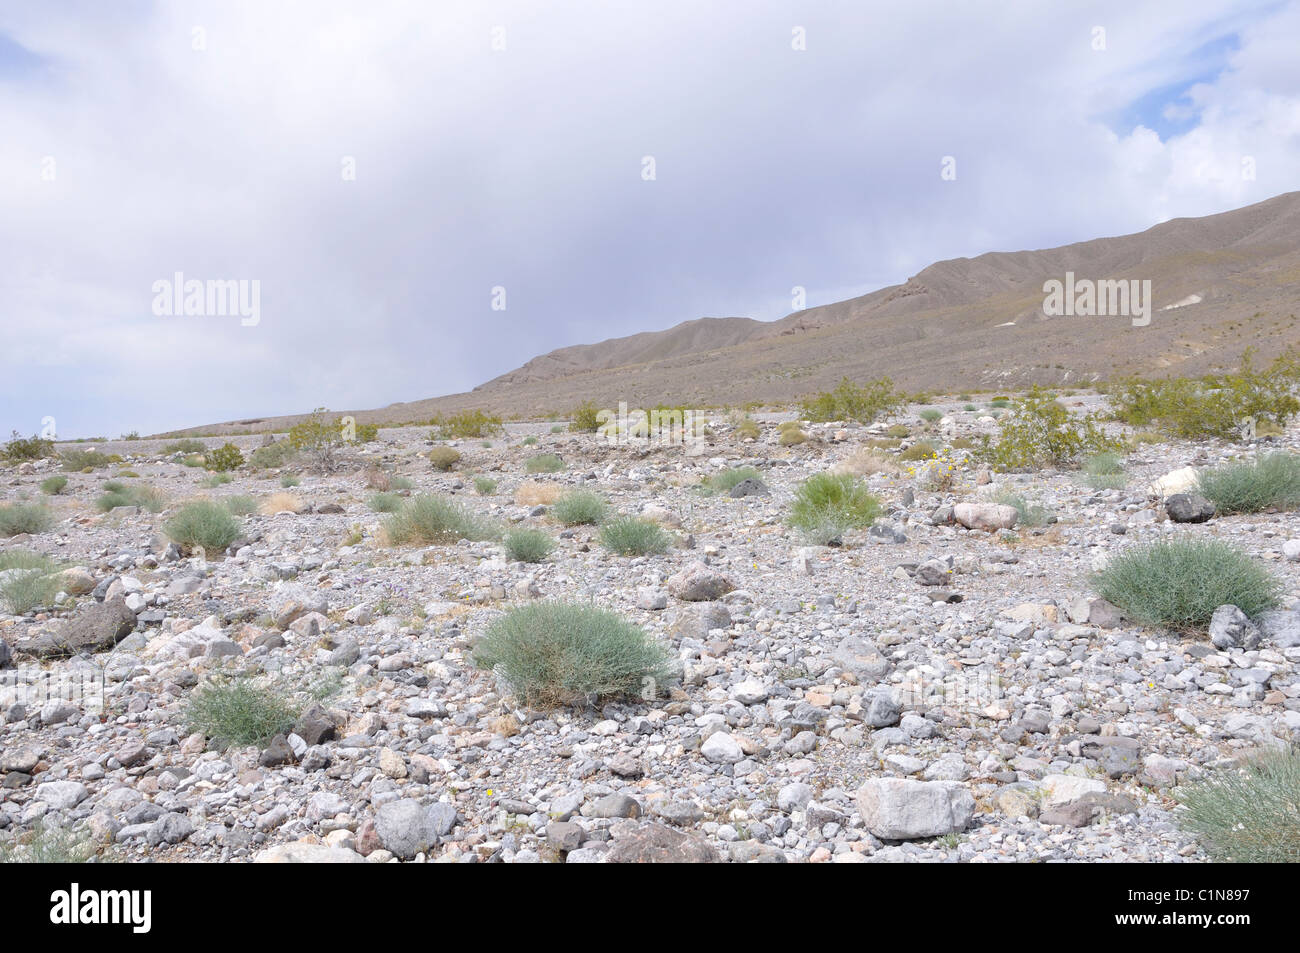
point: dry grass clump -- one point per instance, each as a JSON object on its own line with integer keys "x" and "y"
{"x": 279, "y": 503}
{"x": 538, "y": 494}
{"x": 866, "y": 462}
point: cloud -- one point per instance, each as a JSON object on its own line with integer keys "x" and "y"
{"x": 211, "y": 138}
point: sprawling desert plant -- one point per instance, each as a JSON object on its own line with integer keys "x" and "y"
{"x": 560, "y": 654}
{"x": 437, "y": 520}
{"x": 827, "y": 505}
{"x": 1270, "y": 482}
{"x": 1249, "y": 813}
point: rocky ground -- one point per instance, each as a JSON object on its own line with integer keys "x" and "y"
{"x": 923, "y": 692}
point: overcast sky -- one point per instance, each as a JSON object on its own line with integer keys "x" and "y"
{"x": 138, "y": 140}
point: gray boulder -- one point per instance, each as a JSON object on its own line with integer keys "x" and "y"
{"x": 903, "y": 809}
{"x": 1188, "y": 508}
{"x": 1232, "y": 628}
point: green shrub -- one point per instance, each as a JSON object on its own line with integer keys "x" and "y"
{"x": 226, "y": 457}
{"x": 289, "y": 482}
{"x": 319, "y": 438}
{"x": 465, "y": 424}
{"x": 444, "y": 458}
{"x": 717, "y": 483}
{"x": 1040, "y": 432}
{"x": 19, "y": 448}
{"x": 385, "y": 502}
{"x": 561, "y": 654}
{"x": 186, "y": 446}
{"x": 898, "y": 432}
{"x": 49, "y": 844}
{"x": 365, "y": 433}
{"x": 53, "y": 486}
{"x": 580, "y": 507}
{"x": 827, "y": 505}
{"x": 145, "y": 497}
{"x": 1028, "y": 514}
{"x": 437, "y": 520}
{"x": 528, "y": 545}
{"x": 77, "y": 460}
{"x": 240, "y": 505}
{"x": 629, "y": 536}
{"x": 484, "y": 486}
{"x": 1248, "y": 814}
{"x": 544, "y": 463}
{"x": 238, "y": 711}
{"x": 1213, "y": 406}
{"x": 216, "y": 480}
{"x": 848, "y": 401}
{"x": 1180, "y": 583}
{"x": 586, "y": 418}
{"x": 747, "y": 429}
{"x": 530, "y": 441}
{"x": 272, "y": 456}
{"x": 1105, "y": 471}
{"x": 205, "y": 524}
{"x": 1270, "y": 482}
{"x": 791, "y": 437}
{"x": 27, "y": 580}
{"x": 399, "y": 483}
{"x": 930, "y": 415}
{"x": 921, "y": 450}
{"x": 24, "y": 518}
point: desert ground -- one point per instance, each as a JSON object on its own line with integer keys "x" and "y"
{"x": 919, "y": 690}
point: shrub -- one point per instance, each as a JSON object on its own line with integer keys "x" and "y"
{"x": 433, "y": 519}
{"x": 1104, "y": 471}
{"x": 289, "y": 482}
{"x": 586, "y": 418}
{"x": 544, "y": 463}
{"x": 27, "y": 580}
{"x": 205, "y": 524}
{"x": 791, "y": 436}
{"x": 848, "y": 401}
{"x": 365, "y": 433}
{"x": 1040, "y": 431}
{"x": 1214, "y": 406}
{"x": 48, "y": 844}
{"x": 747, "y": 429}
{"x": 216, "y": 480}
{"x": 1028, "y": 514}
{"x": 630, "y": 536}
{"x": 538, "y": 494}
{"x": 827, "y": 505}
{"x": 530, "y": 441}
{"x": 898, "y": 432}
{"x": 1250, "y": 813}
{"x": 145, "y": 497}
{"x": 399, "y": 483}
{"x": 484, "y": 486}
{"x": 240, "y": 505}
{"x": 1270, "y": 482}
{"x": 24, "y": 518}
{"x": 319, "y": 438}
{"x": 19, "y": 448}
{"x": 444, "y": 458}
{"x": 272, "y": 456}
{"x": 1180, "y": 583}
{"x": 74, "y": 459}
{"x": 921, "y": 450}
{"x": 186, "y": 446}
{"x": 225, "y": 457}
{"x": 528, "y": 545}
{"x": 466, "y": 423}
{"x": 53, "y": 486}
{"x": 579, "y": 507}
{"x": 557, "y": 428}
{"x": 716, "y": 483}
{"x": 930, "y": 415}
{"x": 280, "y": 503}
{"x": 238, "y": 711}
{"x": 554, "y": 653}
{"x": 865, "y": 462}
{"x": 385, "y": 502}
{"x": 377, "y": 479}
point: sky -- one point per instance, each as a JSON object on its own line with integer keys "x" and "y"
{"x": 426, "y": 195}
